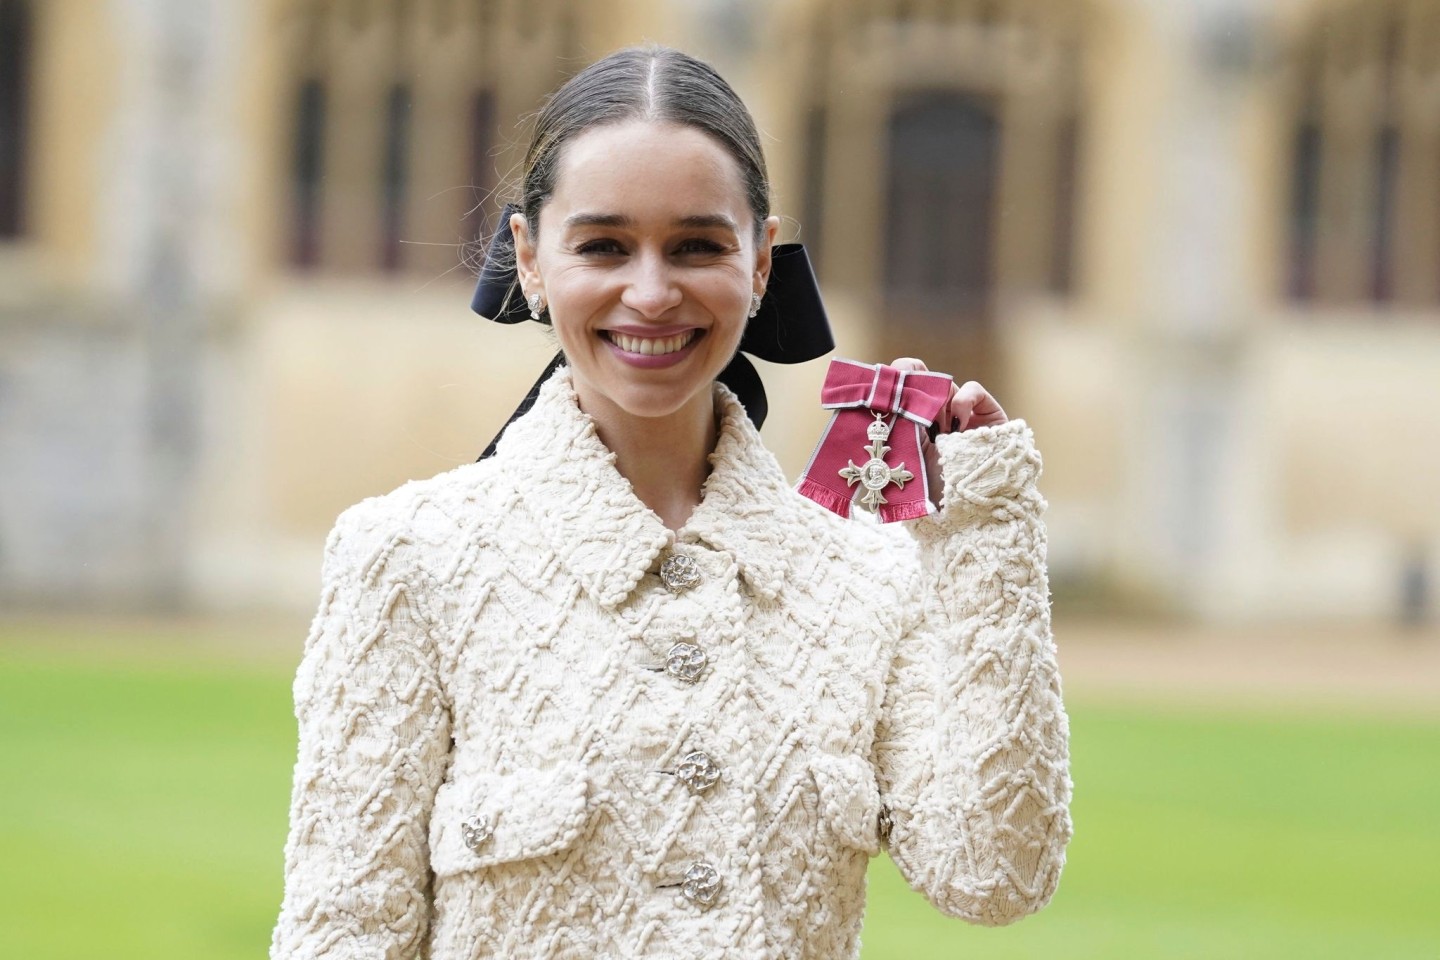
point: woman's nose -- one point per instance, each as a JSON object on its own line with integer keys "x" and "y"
{"x": 650, "y": 290}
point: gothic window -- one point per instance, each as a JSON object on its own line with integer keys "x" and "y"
{"x": 940, "y": 203}
{"x": 1304, "y": 209}
{"x": 482, "y": 129}
{"x": 1364, "y": 199}
{"x": 15, "y": 37}
{"x": 394, "y": 176}
{"x": 393, "y": 120}
{"x": 308, "y": 170}
{"x": 1067, "y": 163}
{"x": 940, "y": 164}
{"x": 1387, "y": 160}
{"x": 813, "y": 203}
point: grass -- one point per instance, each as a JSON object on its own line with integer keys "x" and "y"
{"x": 1223, "y": 837}
{"x": 144, "y": 812}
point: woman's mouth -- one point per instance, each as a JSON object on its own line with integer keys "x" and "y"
{"x": 650, "y": 346}
{"x": 649, "y": 353}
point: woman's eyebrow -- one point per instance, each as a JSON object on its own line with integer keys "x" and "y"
{"x": 708, "y": 220}
{"x": 694, "y": 220}
{"x": 598, "y": 220}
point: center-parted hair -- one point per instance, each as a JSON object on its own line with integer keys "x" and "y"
{"x": 661, "y": 84}
{"x": 643, "y": 83}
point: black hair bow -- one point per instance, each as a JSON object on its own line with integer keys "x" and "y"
{"x": 791, "y": 327}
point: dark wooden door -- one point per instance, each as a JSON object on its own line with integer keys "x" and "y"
{"x": 14, "y": 113}
{"x": 939, "y": 233}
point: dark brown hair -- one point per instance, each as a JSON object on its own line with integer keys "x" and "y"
{"x": 648, "y": 83}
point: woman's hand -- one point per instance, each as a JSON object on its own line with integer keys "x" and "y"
{"x": 970, "y": 406}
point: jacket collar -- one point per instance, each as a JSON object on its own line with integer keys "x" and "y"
{"x": 590, "y": 517}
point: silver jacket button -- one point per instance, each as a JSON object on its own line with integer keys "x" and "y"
{"x": 698, "y": 772}
{"x": 475, "y": 831}
{"x": 685, "y": 661}
{"x": 679, "y": 572}
{"x": 702, "y": 883}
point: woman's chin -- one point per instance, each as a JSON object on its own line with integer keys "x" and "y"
{"x": 647, "y": 401}
{"x": 651, "y": 403}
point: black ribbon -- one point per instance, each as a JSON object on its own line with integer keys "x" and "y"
{"x": 791, "y": 327}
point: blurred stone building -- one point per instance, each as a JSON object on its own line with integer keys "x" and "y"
{"x": 1196, "y": 245}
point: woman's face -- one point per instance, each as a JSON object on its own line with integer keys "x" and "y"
{"x": 647, "y": 258}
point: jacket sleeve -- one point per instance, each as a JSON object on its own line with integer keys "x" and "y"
{"x": 374, "y": 742}
{"x": 972, "y": 748}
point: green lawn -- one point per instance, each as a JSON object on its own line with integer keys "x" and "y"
{"x": 144, "y": 808}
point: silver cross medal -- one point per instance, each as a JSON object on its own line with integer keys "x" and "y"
{"x": 875, "y": 474}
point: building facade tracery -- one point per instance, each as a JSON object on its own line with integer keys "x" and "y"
{"x": 1163, "y": 233}
{"x": 395, "y": 142}
{"x": 940, "y": 147}
{"x": 1364, "y": 212}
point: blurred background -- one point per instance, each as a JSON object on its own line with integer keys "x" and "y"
{"x": 1194, "y": 243}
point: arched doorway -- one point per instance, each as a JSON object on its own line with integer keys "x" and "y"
{"x": 939, "y": 236}
{"x": 938, "y": 172}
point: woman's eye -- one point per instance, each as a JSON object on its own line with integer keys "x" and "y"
{"x": 598, "y": 246}
{"x": 701, "y": 246}
{"x": 696, "y": 246}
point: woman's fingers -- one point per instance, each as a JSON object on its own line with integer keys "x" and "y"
{"x": 970, "y": 405}
{"x": 973, "y": 406}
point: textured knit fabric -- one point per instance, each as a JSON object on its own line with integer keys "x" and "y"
{"x": 491, "y": 742}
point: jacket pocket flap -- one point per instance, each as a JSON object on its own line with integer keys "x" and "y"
{"x": 849, "y": 799}
{"x": 479, "y": 821}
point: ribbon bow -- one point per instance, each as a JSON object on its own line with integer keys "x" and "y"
{"x": 888, "y": 407}
{"x": 790, "y": 327}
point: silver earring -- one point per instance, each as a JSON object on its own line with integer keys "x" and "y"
{"x": 754, "y": 304}
{"x": 537, "y": 303}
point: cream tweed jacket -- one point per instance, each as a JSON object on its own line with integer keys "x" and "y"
{"x": 518, "y": 739}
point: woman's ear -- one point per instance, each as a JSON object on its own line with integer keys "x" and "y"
{"x": 763, "y": 249}
{"x": 527, "y": 266}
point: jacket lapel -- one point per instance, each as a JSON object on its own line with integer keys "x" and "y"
{"x": 590, "y": 517}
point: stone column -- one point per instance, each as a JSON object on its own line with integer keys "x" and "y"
{"x": 169, "y": 254}
{"x": 1192, "y": 501}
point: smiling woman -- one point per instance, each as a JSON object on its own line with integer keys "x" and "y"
{"x": 665, "y": 284}
{"x": 617, "y": 690}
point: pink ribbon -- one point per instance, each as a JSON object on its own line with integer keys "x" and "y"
{"x": 871, "y": 452}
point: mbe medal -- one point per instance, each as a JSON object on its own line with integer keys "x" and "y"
{"x": 875, "y": 474}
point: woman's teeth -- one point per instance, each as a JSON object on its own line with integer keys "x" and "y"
{"x": 651, "y": 346}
